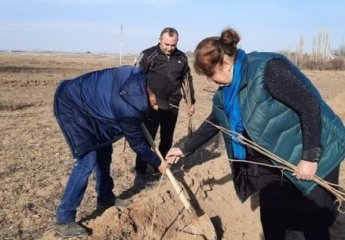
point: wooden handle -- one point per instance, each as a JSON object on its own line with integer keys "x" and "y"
{"x": 174, "y": 182}
{"x": 178, "y": 189}
{"x": 171, "y": 177}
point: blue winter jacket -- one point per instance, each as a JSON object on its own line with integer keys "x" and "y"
{"x": 98, "y": 108}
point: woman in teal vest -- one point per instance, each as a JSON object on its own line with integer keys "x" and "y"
{"x": 267, "y": 99}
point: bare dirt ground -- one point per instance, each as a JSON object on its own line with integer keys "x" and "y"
{"x": 35, "y": 162}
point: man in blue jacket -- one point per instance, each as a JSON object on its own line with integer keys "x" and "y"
{"x": 93, "y": 111}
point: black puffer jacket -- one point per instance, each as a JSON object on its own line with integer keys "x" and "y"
{"x": 175, "y": 66}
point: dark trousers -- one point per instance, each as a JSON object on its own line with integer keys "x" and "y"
{"x": 166, "y": 120}
{"x": 283, "y": 207}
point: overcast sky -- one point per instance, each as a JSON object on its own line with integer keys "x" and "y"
{"x": 94, "y": 25}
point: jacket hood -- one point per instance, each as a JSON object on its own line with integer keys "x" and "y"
{"x": 133, "y": 89}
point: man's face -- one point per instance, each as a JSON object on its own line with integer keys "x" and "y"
{"x": 168, "y": 43}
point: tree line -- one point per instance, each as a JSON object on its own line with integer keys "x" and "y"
{"x": 322, "y": 56}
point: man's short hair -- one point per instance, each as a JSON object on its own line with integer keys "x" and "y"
{"x": 170, "y": 31}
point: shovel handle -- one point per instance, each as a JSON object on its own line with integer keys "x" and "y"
{"x": 178, "y": 189}
{"x": 171, "y": 177}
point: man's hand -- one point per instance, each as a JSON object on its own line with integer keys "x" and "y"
{"x": 163, "y": 166}
{"x": 174, "y": 155}
{"x": 306, "y": 170}
{"x": 191, "y": 110}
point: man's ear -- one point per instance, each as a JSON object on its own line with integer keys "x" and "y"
{"x": 150, "y": 93}
{"x": 152, "y": 99}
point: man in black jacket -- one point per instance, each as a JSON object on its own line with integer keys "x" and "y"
{"x": 167, "y": 68}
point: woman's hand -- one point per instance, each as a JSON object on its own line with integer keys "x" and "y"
{"x": 163, "y": 166}
{"x": 174, "y": 155}
{"x": 306, "y": 170}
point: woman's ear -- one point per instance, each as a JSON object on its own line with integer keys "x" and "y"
{"x": 228, "y": 60}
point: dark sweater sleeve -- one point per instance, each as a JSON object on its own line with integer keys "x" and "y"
{"x": 204, "y": 133}
{"x": 189, "y": 78}
{"x": 285, "y": 86}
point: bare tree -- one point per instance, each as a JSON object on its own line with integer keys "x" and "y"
{"x": 341, "y": 50}
{"x": 321, "y": 49}
{"x": 299, "y": 52}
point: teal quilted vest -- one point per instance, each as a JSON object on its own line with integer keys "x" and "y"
{"x": 275, "y": 127}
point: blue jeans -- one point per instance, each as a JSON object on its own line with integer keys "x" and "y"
{"x": 99, "y": 161}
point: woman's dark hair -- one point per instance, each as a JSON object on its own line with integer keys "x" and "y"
{"x": 210, "y": 51}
